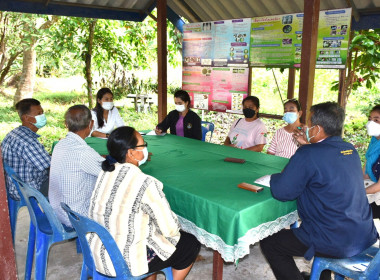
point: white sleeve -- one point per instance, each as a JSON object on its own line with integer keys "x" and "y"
{"x": 95, "y": 119}
{"x": 118, "y": 120}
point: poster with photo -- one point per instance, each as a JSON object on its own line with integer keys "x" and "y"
{"x": 231, "y": 42}
{"x": 219, "y": 89}
{"x": 333, "y": 36}
{"x": 219, "y": 43}
{"x": 276, "y": 41}
{"x": 198, "y": 44}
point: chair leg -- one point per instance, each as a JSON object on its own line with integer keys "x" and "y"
{"x": 42, "y": 251}
{"x": 12, "y": 207}
{"x": 30, "y": 252}
{"x": 168, "y": 273}
{"x": 84, "y": 275}
{"x": 315, "y": 269}
{"x": 79, "y": 248}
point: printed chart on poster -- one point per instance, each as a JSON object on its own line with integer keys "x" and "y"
{"x": 277, "y": 40}
{"x": 218, "y": 43}
{"x": 219, "y": 89}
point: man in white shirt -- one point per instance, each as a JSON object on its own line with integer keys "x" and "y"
{"x": 74, "y": 165}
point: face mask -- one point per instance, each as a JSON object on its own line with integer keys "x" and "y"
{"x": 145, "y": 153}
{"x": 40, "y": 121}
{"x": 373, "y": 129}
{"x": 248, "y": 113}
{"x": 290, "y": 117}
{"x": 180, "y": 108}
{"x": 308, "y": 138}
{"x": 107, "y": 105}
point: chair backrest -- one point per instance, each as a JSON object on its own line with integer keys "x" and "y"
{"x": 207, "y": 127}
{"x": 84, "y": 225}
{"x": 41, "y": 213}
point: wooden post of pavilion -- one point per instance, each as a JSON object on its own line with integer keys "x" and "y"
{"x": 308, "y": 55}
{"x": 291, "y": 83}
{"x": 162, "y": 59}
{"x": 7, "y": 253}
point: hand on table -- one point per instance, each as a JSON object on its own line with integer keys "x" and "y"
{"x": 158, "y": 131}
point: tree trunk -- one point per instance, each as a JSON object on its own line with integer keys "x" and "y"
{"x": 7, "y": 68}
{"x": 88, "y": 59}
{"x": 27, "y": 80}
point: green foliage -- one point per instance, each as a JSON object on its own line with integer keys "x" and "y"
{"x": 363, "y": 61}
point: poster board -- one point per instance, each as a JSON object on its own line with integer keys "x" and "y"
{"x": 276, "y": 41}
{"x": 219, "y": 89}
{"x": 217, "y": 54}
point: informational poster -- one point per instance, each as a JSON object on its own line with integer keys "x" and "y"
{"x": 273, "y": 40}
{"x": 219, "y": 43}
{"x": 333, "y": 36}
{"x": 276, "y": 41}
{"x": 198, "y": 44}
{"x": 231, "y": 43}
{"x": 219, "y": 89}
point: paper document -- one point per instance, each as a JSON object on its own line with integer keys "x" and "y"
{"x": 264, "y": 180}
{"x": 154, "y": 133}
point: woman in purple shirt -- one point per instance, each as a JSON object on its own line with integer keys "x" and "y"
{"x": 181, "y": 121}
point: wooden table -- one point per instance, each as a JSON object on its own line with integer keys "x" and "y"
{"x": 143, "y": 99}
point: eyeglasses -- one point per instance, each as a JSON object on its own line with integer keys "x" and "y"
{"x": 143, "y": 145}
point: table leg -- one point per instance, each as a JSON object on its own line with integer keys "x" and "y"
{"x": 217, "y": 266}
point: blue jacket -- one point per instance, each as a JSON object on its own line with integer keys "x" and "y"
{"x": 327, "y": 180}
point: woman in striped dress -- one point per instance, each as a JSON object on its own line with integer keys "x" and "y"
{"x": 283, "y": 143}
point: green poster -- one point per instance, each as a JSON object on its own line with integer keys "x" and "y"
{"x": 276, "y": 41}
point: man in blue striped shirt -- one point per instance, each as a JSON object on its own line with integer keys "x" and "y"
{"x": 23, "y": 152}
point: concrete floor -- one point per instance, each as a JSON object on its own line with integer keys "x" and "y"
{"x": 64, "y": 263}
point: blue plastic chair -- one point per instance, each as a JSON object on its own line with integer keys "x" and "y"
{"x": 365, "y": 265}
{"x": 84, "y": 225}
{"x": 45, "y": 230}
{"x": 207, "y": 127}
{"x": 13, "y": 205}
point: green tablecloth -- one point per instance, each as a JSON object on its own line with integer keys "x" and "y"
{"x": 202, "y": 190}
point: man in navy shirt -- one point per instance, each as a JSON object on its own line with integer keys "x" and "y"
{"x": 326, "y": 179}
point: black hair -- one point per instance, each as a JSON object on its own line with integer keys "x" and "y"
{"x": 98, "y": 107}
{"x": 77, "y": 118}
{"x": 330, "y": 116}
{"x": 24, "y": 105}
{"x": 295, "y": 102}
{"x": 254, "y": 100}
{"x": 119, "y": 142}
{"x": 376, "y": 108}
{"x": 183, "y": 95}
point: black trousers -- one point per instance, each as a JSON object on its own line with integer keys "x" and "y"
{"x": 279, "y": 250}
{"x": 375, "y": 210}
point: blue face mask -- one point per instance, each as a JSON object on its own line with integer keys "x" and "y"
{"x": 290, "y": 117}
{"x": 40, "y": 121}
{"x": 308, "y": 138}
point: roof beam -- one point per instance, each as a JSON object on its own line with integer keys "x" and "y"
{"x": 70, "y": 10}
{"x": 355, "y": 11}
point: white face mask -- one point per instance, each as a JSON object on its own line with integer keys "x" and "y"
{"x": 373, "y": 128}
{"x": 107, "y": 105}
{"x": 145, "y": 158}
{"x": 180, "y": 108}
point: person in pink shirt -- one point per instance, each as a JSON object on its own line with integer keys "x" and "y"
{"x": 283, "y": 143}
{"x": 249, "y": 133}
